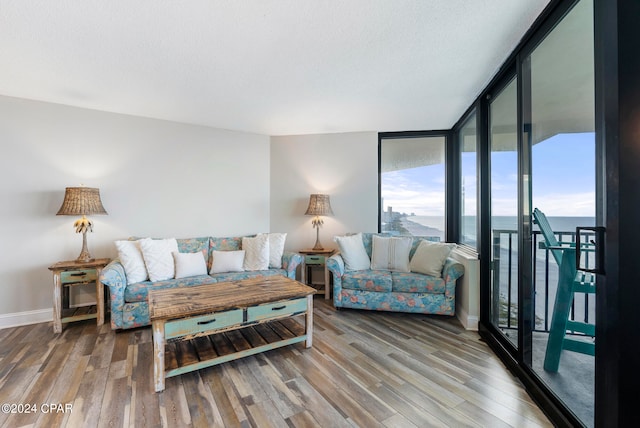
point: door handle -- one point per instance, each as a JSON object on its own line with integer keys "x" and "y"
{"x": 598, "y": 246}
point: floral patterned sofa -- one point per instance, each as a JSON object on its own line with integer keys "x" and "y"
{"x": 388, "y": 290}
{"x": 128, "y": 302}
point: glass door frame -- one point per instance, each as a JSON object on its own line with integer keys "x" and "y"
{"x": 489, "y": 265}
{"x": 617, "y": 43}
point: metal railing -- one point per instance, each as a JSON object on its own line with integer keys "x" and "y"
{"x": 544, "y": 279}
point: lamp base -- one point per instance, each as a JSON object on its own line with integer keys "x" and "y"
{"x": 84, "y": 256}
{"x": 318, "y": 245}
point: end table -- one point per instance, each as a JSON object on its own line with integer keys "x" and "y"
{"x": 68, "y": 274}
{"x": 316, "y": 258}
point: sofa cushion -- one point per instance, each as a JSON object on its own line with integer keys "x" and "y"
{"x": 276, "y": 249}
{"x": 417, "y": 283}
{"x": 353, "y": 252}
{"x": 193, "y": 245}
{"x": 130, "y": 256}
{"x": 370, "y": 280}
{"x": 234, "y": 276}
{"x": 391, "y": 253}
{"x": 256, "y": 255}
{"x": 429, "y": 258}
{"x": 139, "y": 291}
{"x": 226, "y": 261}
{"x": 189, "y": 264}
{"x": 158, "y": 258}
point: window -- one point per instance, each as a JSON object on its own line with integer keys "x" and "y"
{"x": 467, "y": 136}
{"x": 412, "y": 185}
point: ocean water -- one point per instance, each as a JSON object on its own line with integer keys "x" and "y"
{"x": 559, "y": 224}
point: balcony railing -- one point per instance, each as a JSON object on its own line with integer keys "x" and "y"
{"x": 544, "y": 279}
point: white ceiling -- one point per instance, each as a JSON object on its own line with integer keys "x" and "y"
{"x": 274, "y": 67}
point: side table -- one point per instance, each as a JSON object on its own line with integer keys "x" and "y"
{"x": 68, "y": 274}
{"x": 316, "y": 258}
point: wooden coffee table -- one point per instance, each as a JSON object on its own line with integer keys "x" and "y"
{"x": 201, "y": 326}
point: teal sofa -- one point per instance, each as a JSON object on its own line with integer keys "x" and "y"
{"x": 384, "y": 290}
{"x": 128, "y": 303}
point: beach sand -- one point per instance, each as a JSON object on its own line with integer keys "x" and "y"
{"x": 417, "y": 229}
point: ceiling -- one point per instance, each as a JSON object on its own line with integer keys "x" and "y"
{"x": 273, "y": 67}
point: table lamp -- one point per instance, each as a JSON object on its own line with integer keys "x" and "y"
{"x": 82, "y": 201}
{"x": 319, "y": 205}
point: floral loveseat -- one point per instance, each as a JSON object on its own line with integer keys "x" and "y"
{"x": 128, "y": 301}
{"x": 399, "y": 288}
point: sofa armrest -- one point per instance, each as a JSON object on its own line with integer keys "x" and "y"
{"x": 290, "y": 262}
{"x": 335, "y": 264}
{"x": 114, "y": 277}
{"x": 451, "y": 271}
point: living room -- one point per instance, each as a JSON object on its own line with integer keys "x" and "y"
{"x": 162, "y": 176}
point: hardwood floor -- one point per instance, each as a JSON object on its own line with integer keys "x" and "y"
{"x": 365, "y": 369}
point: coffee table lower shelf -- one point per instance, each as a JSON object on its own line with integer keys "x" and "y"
{"x": 183, "y": 356}
{"x": 210, "y": 324}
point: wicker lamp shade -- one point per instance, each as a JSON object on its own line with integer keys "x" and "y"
{"x": 82, "y": 201}
{"x": 319, "y": 205}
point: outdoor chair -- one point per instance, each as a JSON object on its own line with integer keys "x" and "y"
{"x": 570, "y": 281}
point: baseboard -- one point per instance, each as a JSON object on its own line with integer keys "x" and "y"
{"x": 468, "y": 322}
{"x": 25, "y": 318}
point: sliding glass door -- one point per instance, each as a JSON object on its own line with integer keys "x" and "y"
{"x": 578, "y": 66}
{"x": 561, "y": 119}
{"x": 503, "y": 140}
{"x": 543, "y": 174}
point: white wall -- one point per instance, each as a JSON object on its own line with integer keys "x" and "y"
{"x": 468, "y": 289}
{"x": 156, "y": 178}
{"x": 161, "y": 179}
{"x": 345, "y": 166}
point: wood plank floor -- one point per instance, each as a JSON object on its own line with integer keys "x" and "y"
{"x": 366, "y": 369}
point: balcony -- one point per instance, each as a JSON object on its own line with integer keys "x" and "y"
{"x": 574, "y": 383}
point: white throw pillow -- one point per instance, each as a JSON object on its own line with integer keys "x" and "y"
{"x": 189, "y": 264}
{"x": 390, "y": 253}
{"x": 158, "y": 256}
{"x": 130, "y": 256}
{"x": 430, "y": 257}
{"x": 256, "y": 255}
{"x": 353, "y": 252}
{"x": 276, "y": 249}
{"x": 227, "y": 261}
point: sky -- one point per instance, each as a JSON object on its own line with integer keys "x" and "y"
{"x": 563, "y": 181}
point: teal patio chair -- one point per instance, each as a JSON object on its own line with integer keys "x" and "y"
{"x": 570, "y": 281}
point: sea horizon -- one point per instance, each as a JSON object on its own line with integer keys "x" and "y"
{"x": 435, "y": 224}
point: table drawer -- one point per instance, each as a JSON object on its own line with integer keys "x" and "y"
{"x": 277, "y": 309}
{"x": 202, "y": 323}
{"x": 73, "y": 276}
{"x": 314, "y": 260}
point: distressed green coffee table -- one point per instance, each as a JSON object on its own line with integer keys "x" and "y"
{"x": 205, "y": 325}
